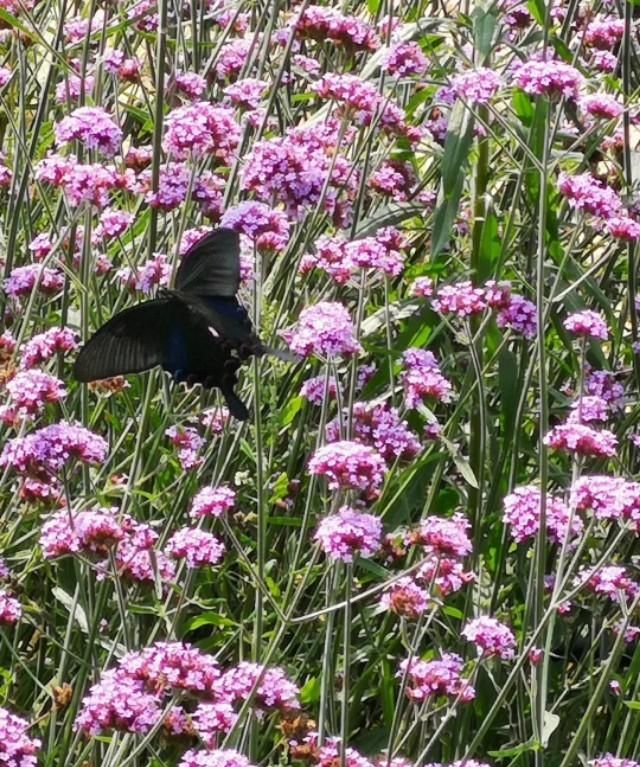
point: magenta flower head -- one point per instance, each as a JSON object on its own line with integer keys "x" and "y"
{"x": 477, "y": 86}
{"x": 349, "y": 466}
{"x": 405, "y": 598}
{"x": 197, "y": 547}
{"x": 581, "y": 439}
{"x": 444, "y": 536}
{"x": 520, "y": 316}
{"x": 31, "y": 390}
{"x": 588, "y": 194}
{"x": 548, "y": 78}
{"x": 324, "y": 329}
{"x": 274, "y": 691}
{"x": 349, "y": 532}
{"x": 490, "y": 637}
{"x": 405, "y": 59}
{"x": 93, "y": 127}
{"x": 587, "y": 324}
{"x": 17, "y": 749}
{"x": 201, "y": 129}
{"x": 212, "y": 502}
{"x": 246, "y": 93}
{"x": 609, "y": 760}
{"x": 10, "y": 610}
{"x": 422, "y": 378}
{"x": 266, "y": 227}
{"x": 429, "y": 679}
{"x": 522, "y": 513}
{"x": 217, "y": 758}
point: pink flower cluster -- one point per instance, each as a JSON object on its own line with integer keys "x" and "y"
{"x": 92, "y": 531}
{"x": 405, "y": 59}
{"x": 266, "y": 227}
{"x": 327, "y": 23}
{"x": 212, "y": 502}
{"x": 587, "y": 324}
{"x": 189, "y": 443}
{"x": 341, "y": 258}
{"x": 490, "y": 637}
{"x": 43, "y": 346}
{"x": 293, "y": 170}
{"x": 349, "y": 532}
{"x": 197, "y": 547}
{"x": 190, "y": 84}
{"x": 131, "y": 696}
{"x": 29, "y": 392}
{"x": 10, "y": 610}
{"x": 50, "y": 448}
{"x": 93, "y": 127}
{"x": 478, "y": 86}
{"x": 325, "y": 330}
{"x": 581, "y": 439}
{"x": 201, "y": 129}
{"x": 422, "y": 378}
{"x": 611, "y": 581}
{"x": 548, "y": 78}
{"x": 154, "y": 273}
{"x": 246, "y": 93}
{"x": 217, "y": 758}
{"x": 23, "y": 280}
{"x": 405, "y": 598}
{"x": 80, "y": 183}
{"x": 522, "y": 514}
{"x": 349, "y": 466}
{"x": 380, "y": 427}
{"x": 443, "y": 536}
{"x": 17, "y": 748}
{"x": 430, "y": 679}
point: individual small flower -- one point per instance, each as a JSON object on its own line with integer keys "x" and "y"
{"x": 31, "y": 390}
{"x": 405, "y": 598}
{"x": 274, "y": 690}
{"x": 324, "y": 329}
{"x": 201, "y": 129}
{"x": 520, "y": 316}
{"x": 349, "y": 532}
{"x": 490, "y": 637}
{"x": 422, "y": 379}
{"x": 190, "y": 84}
{"x": 548, "y": 78}
{"x": 197, "y": 547}
{"x": 477, "y": 86}
{"x": 4, "y": 570}
{"x": 461, "y": 299}
{"x": 587, "y": 324}
{"x": 349, "y": 466}
{"x": 217, "y": 758}
{"x": 93, "y": 127}
{"x": 522, "y": 514}
{"x": 428, "y": 679}
{"x": 189, "y": 443}
{"x": 17, "y": 748}
{"x": 72, "y": 86}
{"x": 582, "y": 440}
{"x": 10, "y": 612}
{"x": 246, "y": 93}
{"x": 267, "y": 228}
{"x": 445, "y": 536}
{"x": 23, "y": 280}
{"x": 5, "y": 76}
{"x": 212, "y": 502}
{"x": 405, "y": 59}
{"x": 113, "y": 223}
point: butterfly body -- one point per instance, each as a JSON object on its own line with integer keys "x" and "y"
{"x": 198, "y": 332}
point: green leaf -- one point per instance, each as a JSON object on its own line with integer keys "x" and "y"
{"x": 490, "y": 246}
{"x": 508, "y": 382}
{"x": 291, "y": 410}
{"x": 373, "y": 6}
{"x": 310, "y": 692}
{"x": 374, "y": 568}
{"x": 208, "y": 619}
{"x": 454, "y": 160}
{"x": 522, "y": 106}
{"x": 484, "y": 27}
{"x": 537, "y": 10}
{"x": 523, "y": 748}
{"x": 462, "y": 463}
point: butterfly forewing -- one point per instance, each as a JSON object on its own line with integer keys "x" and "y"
{"x": 212, "y": 266}
{"x": 135, "y": 340}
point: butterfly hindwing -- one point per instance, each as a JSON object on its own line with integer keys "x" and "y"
{"x": 212, "y": 266}
{"x": 135, "y": 340}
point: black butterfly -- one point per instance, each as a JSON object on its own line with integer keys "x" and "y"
{"x": 199, "y": 332}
